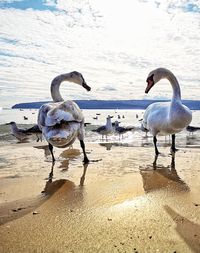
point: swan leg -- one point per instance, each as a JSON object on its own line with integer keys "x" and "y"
{"x": 155, "y": 162}
{"x": 51, "y": 174}
{"x": 173, "y": 163}
{"x": 51, "y": 150}
{"x": 38, "y": 138}
{"x": 156, "y": 149}
{"x": 82, "y": 179}
{"x": 173, "y": 148}
{"x": 85, "y": 160}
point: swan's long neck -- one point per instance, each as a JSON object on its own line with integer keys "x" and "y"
{"x": 55, "y": 86}
{"x": 175, "y": 85}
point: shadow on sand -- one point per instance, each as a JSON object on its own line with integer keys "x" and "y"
{"x": 162, "y": 176}
{"x": 187, "y": 229}
{"x": 17, "y": 209}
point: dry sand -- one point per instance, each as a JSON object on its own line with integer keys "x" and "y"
{"x": 118, "y": 203}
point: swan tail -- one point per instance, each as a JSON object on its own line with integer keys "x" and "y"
{"x": 52, "y": 114}
{"x": 54, "y": 117}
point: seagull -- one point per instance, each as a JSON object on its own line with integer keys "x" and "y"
{"x": 19, "y": 133}
{"x": 192, "y": 129}
{"x": 143, "y": 129}
{"x": 121, "y": 130}
{"x": 105, "y": 130}
{"x": 23, "y": 134}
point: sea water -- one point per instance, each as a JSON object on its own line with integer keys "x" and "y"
{"x": 97, "y": 118}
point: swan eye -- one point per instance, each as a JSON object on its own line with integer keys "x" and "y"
{"x": 150, "y": 79}
{"x": 150, "y": 83}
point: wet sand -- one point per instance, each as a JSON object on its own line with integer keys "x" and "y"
{"x": 120, "y": 202}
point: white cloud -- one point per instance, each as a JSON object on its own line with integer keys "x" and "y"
{"x": 50, "y": 2}
{"x": 110, "y": 42}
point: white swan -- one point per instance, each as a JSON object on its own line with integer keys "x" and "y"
{"x": 62, "y": 121}
{"x": 166, "y": 117}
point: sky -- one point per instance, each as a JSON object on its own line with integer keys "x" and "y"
{"x": 114, "y": 44}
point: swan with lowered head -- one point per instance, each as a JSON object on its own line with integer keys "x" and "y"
{"x": 166, "y": 118}
{"x": 62, "y": 122}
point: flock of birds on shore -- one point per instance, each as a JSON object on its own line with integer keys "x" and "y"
{"x": 106, "y": 130}
{"x": 61, "y": 122}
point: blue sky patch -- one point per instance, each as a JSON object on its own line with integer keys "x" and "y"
{"x": 191, "y": 8}
{"x": 29, "y": 4}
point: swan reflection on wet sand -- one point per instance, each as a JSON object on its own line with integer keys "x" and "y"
{"x": 155, "y": 166}
{"x": 45, "y": 148}
{"x": 64, "y": 165}
{"x": 108, "y": 145}
{"x": 65, "y": 194}
{"x": 51, "y": 174}
{"x": 162, "y": 177}
{"x": 67, "y": 154}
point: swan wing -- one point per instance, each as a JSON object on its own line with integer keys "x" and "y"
{"x": 44, "y": 109}
{"x": 156, "y": 117}
{"x": 180, "y": 116}
{"x": 166, "y": 118}
{"x": 73, "y": 109}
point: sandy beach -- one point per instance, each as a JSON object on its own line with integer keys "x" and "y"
{"x": 119, "y": 202}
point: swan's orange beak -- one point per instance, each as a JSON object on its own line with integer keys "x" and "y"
{"x": 84, "y": 84}
{"x": 150, "y": 84}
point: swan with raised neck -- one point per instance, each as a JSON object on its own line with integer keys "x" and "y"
{"x": 162, "y": 73}
{"x": 166, "y": 117}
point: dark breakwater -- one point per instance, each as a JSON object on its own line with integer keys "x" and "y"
{"x": 110, "y": 104}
